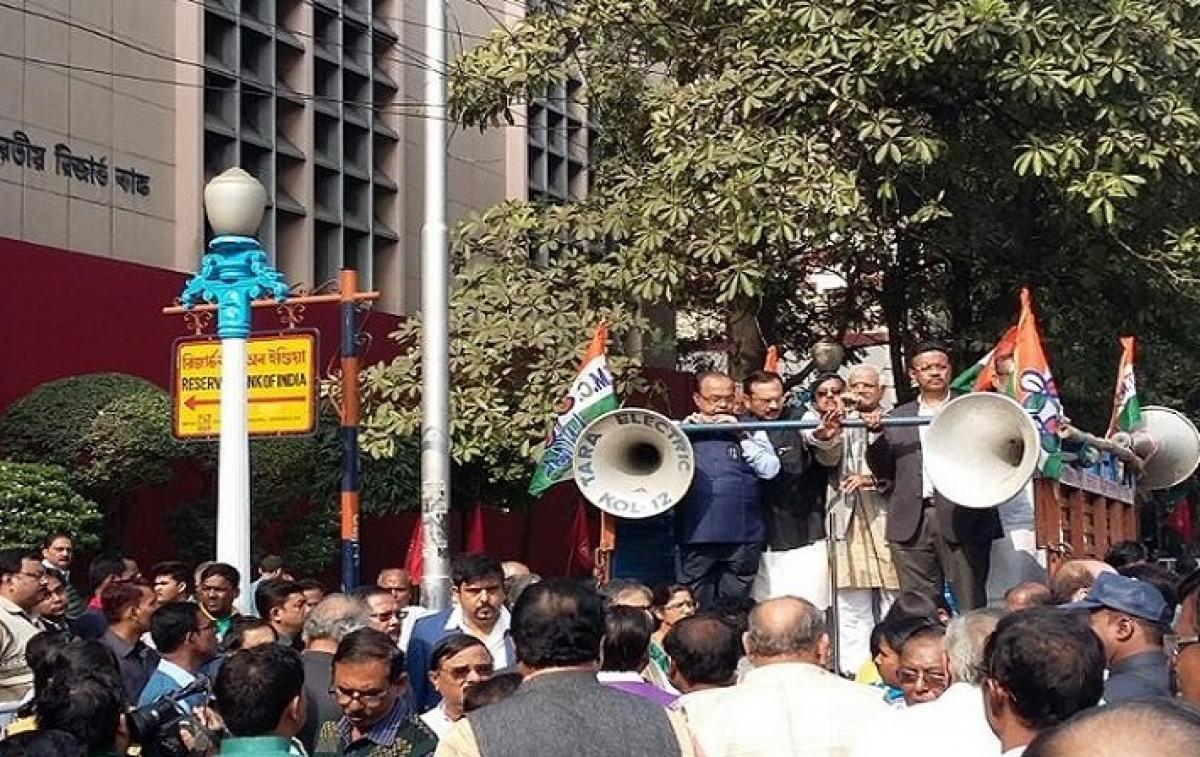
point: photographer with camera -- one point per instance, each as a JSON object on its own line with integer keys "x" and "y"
{"x": 186, "y": 639}
{"x": 259, "y": 694}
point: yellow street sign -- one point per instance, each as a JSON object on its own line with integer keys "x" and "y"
{"x": 280, "y": 379}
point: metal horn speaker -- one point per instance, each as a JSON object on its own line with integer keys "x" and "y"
{"x": 633, "y": 463}
{"x": 1169, "y": 444}
{"x": 981, "y": 450}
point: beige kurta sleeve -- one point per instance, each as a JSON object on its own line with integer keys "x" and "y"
{"x": 687, "y": 743}
{"x": 459, "y": 741}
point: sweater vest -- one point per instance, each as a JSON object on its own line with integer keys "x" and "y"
{"x": 724, "y": 503}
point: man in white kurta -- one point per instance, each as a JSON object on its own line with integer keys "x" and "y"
{"x": 788, "y": 704}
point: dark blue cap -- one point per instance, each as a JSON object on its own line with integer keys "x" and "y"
{"x": 1127, "y": 595}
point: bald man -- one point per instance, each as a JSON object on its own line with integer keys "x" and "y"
{"x": 1145, "y": 729}
{"x": 1027, "y": 594}
{"x": 514, "y": 568}
{"x": 399, "y": 583}
{"x": 1074, "y": 578}
{"x": 789, "y": 703}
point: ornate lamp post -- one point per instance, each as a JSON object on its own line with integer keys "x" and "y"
{"x": 232, "y": 274}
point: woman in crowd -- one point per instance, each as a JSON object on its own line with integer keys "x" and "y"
{"x": 672, "y": 603}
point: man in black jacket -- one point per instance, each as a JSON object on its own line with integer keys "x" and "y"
{"x": 794, "y": 561}
{"x": 932, "y": 539}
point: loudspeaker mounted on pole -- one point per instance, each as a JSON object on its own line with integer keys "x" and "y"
{"x": 1169, "y": 446}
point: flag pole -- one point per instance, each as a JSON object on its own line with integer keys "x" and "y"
{"x": 605, "y": 549}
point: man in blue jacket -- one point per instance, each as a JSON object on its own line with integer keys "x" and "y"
{"x": 478, "y": 587}
{"x": 719, "y": 527}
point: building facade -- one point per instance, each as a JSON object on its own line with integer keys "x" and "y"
{"x": 115, "y": 113}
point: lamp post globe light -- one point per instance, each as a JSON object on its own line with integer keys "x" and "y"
{"x": 828, "y": 355}
{"x": 233, "y": 273}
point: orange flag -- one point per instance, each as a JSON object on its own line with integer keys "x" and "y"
{"x": 772, "y": 362}
{"x": 1036, "y": 390}
{"x": 1127, "y": 408}
{"x": 981, "y": 377}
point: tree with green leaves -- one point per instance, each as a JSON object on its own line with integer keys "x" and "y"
{"x": 934, "y": 155}
{"x": 36, "y": 500}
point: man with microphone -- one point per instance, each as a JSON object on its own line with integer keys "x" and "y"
{"x": 932, "y": 540}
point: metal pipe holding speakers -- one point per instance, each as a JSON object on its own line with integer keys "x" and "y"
{"x": 808, "y": 423}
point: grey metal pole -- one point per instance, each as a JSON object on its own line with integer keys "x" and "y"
{"x": 435, "y": 317}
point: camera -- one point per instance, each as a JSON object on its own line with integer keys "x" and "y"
{"x": 155, "y": 726}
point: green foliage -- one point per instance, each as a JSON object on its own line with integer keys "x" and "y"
{"x": 316, "y": 540}
{"x": 50, "y": 424}
{"x": 36, "y": 500}
{"x": 518, "y": 331}
{"x": 129, "y": 444}
{"x": 935, "y": 155}
{"x": 110, "y": 431}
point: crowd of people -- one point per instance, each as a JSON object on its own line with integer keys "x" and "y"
{"x": 827, "y": 601}
{"x": 524, "y": 666}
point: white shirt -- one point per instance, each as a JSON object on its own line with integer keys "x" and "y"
{"x": 437, "y": 720}
{"x": 759, "y": 454}
{"x": 409, "y": 617}
{"x": 498, "y": 642}
{"x": 926, "y": 411}
{"x": 953, "y": 725}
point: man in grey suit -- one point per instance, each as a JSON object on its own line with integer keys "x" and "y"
{"x": 932, "y": 539}
{"x": 560, "y": 707}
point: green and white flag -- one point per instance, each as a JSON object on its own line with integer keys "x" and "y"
{"x": 590, "y": 397}
{"x": 1127, "y": 410}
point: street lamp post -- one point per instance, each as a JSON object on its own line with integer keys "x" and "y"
{"x": 234, "y": 272}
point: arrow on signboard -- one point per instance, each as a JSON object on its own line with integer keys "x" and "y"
{"x": 193, "y": 401}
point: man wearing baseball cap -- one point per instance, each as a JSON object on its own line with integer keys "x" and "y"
{"x": 1130, "y": 618}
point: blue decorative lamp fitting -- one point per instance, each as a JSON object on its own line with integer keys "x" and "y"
{"x": 236, "y": 269}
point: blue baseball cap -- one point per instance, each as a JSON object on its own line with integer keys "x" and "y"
{"x": 1126, "y": 595}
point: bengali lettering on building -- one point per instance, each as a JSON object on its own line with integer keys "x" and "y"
{"x": 18, "y": 150}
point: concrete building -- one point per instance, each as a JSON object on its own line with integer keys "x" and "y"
{"x": 114, "y": 113}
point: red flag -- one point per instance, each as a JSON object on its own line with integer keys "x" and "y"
{"x": 475, "y": 541}
{"x": 772, "y": 362}
{"x": 414, "y": 562}
{"x": 580, "y": 556}
{"x": 1181, "y": 521}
